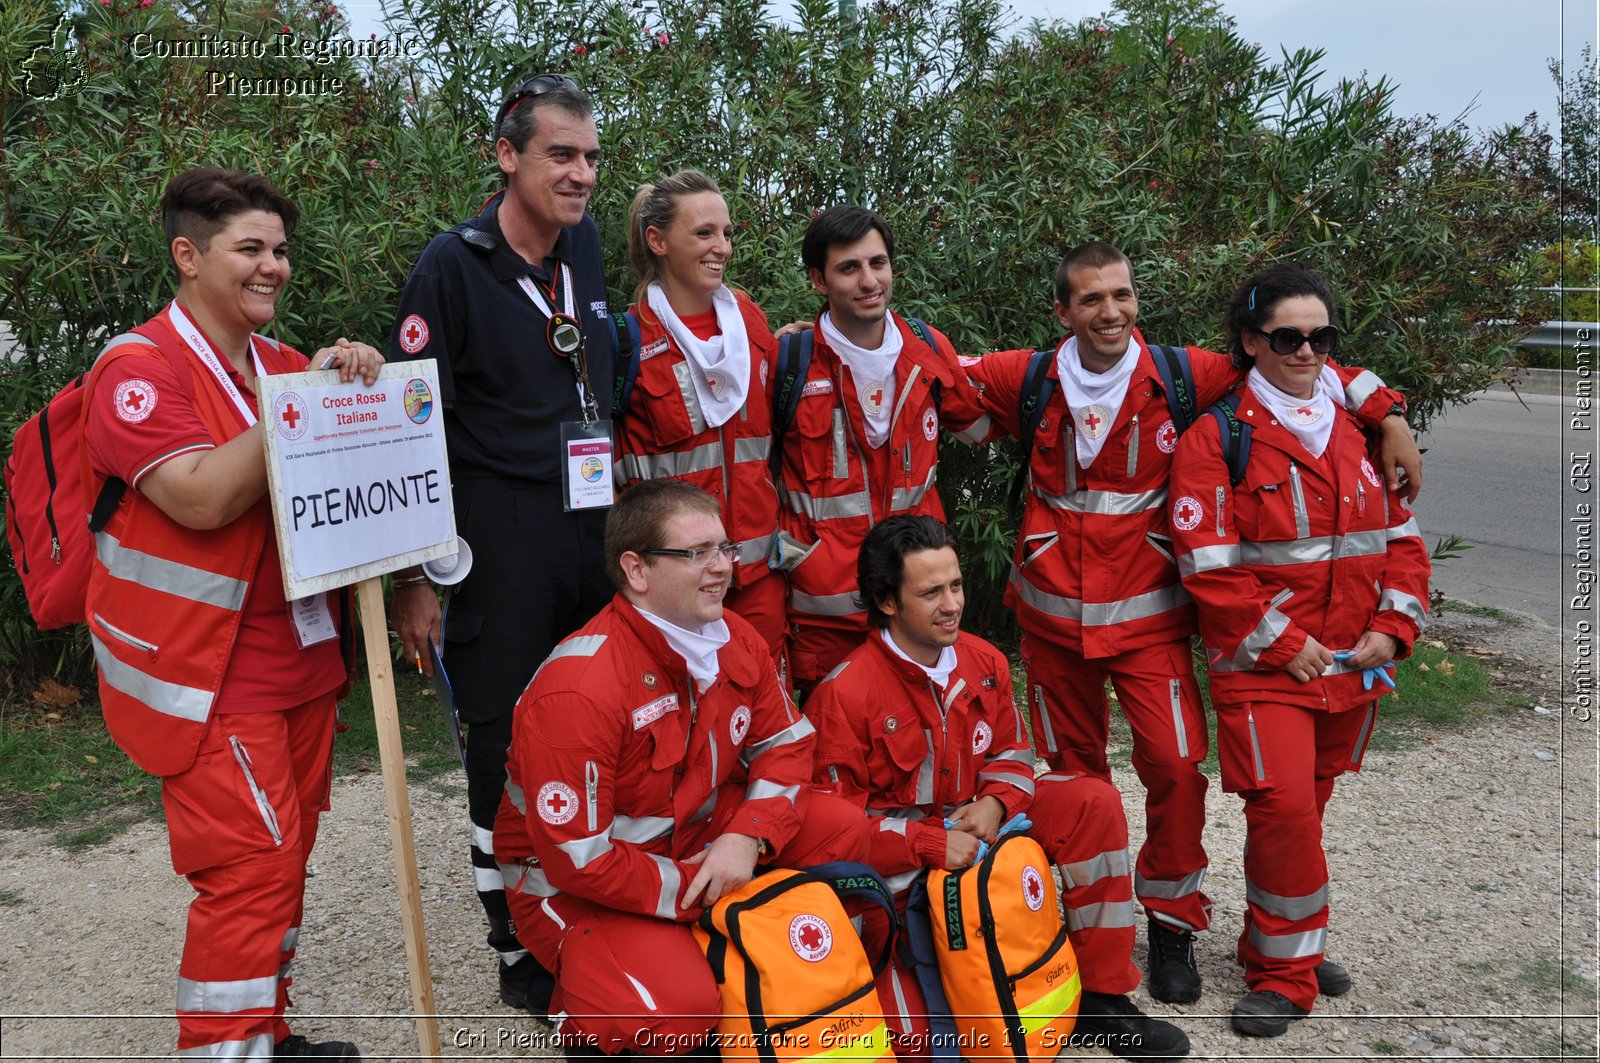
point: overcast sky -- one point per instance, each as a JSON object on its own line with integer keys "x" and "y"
{"x": 1445, "y": 56}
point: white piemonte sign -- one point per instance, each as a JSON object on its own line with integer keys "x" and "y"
{"x": 359, "y": 480}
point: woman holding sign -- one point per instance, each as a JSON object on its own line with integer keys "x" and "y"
{"x": 698, "y": 408}
{"x": 208, "y": 677}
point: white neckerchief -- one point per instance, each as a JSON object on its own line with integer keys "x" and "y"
{"x": 939, "y": 673}
{"x": 191, "y": 334}
{"x": 1310, "y": 420}
{"x": 1093, "y": 398}
{"x": 873, "y": 373}
{"x": 697, "y": 648}
{"x": 720, "y": 366}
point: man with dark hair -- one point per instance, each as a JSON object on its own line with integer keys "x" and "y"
{"x": 209, "y": 679}
{"x": 919, "y": 726}
{"x": 512, "y": 304}
{"x": 863, "y": 444}
{"x": 655, "y": 762}
{"x": 1094, "y": 583}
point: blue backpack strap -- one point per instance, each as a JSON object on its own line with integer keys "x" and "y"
{"x": 923, "y": 958}
{"x": 625, "y": 337}
{"x": 788, "y": 381}
{"x": 1235, "y": 436}
{"x": 925, "y": 334}
{"x": 1177, "y": 380}
{"x": 1037, "y": 390}
{"x": 861, "y": 882}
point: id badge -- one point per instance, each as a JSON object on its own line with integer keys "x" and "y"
{"x": 586, "y": 459}
{"x": 313, "y": 621}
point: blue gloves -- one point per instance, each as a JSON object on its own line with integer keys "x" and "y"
{"x": 1019, "y": 822}
{"x": 1378, "y": 674}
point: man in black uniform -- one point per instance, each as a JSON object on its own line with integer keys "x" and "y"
{"x": 501, "y": 301}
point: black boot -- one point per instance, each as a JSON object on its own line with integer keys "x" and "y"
{"x": 1265, "y": 1014}
{"x": 1116, "y": 1024}
{"x": 527, "y": 985}
{"x": 1173, "y": 977}
{"x": 296, "y": 1047}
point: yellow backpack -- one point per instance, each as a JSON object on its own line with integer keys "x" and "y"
{"x": 991, "y": 951}
{"x": 796, "y": 982}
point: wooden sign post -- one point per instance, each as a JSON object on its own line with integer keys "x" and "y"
{"x": 360, "y": 487}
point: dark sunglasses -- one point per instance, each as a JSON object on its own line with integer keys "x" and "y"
{"x": 1286, "y": 341}
{"x": 533, "y": 88}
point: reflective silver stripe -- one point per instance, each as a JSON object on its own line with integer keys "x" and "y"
{"x": 520, "y": 878}
{"x": 483, "y": 838}
{"x": 1268, "y": 630}
{"x": 1133, "y": 446}
{"x": 1010, "y": 778}
{"x": 1222, "y": 664}
{"x": 1361, "y": 388}
{"x": 291, "y": 940}
{"x": 1175, "y": 692}
{"x": 228, "y": 997}
{"x": 519, "y": 801}
{"x": 853, "y": 505}
{"x": 1168, "y": 889}
{"x": 752, "y": 448}
{"x": 892, "y": 825}
{"x": 902, "y": 881}
{"x": 1070, "y": 455}
{"x": 487, "y": 880}
{"x": 169, "y": 699}
{"x": 1402, "y": 531}
{"x": 671, "y": 884}
{"x": 1287, "y": 907}
{"x": 1302, "y": 520}
{"x": 1020, "y": 756}
{"x": 1289, "y": 946}
{"x": 1046, "y": 728}
{"x": 269, "y": 815}
{"x": 841, "y": 457}
{"x": 1100, "y": 614}
{"x": 705, "y": 457}
{"x": 904, "y": 498}
{"x": 1360, "y": 748}
{"x": 1112, "y": 863}
{"x": 1308, "y": 551}
{"x": 704, "y": 811}
{"x": 761, "y": 789}
{"x": 800, "y": 729}
{"x": 1255, "y": 746}
{"x": 120, "y": 340}
{"x": 691, "y": 401}
{"x": 1110, "y": 915}
{"x": 1209, "y": 559}
{"x": 976, "y": 431}
{"x": 1106, "y": 503}
{"x": 926, "y": 771}
{"x": 1401, "y": 602}
{"x": 757, "y": 550}
{"x": 584, "y": 851}
{"x": 257, "y": 1049}
{"x": 577, "y": 646}
{"x": 823, "y": 604}
{"x": 640, "y": 829}
{"x": 910, "y": 814}
{"x": 169, "y": 577}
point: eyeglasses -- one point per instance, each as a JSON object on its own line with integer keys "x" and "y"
{"x": 1286, "y": 341}
{"x": 703, "y": 556}
{"x": 533, "y": 88}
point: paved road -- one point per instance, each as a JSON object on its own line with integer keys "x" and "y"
{"x": 1495, "y": 475}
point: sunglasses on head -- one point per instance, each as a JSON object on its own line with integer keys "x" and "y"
{"x": 1286, "y": 341}
{"x": 533, "y": 88}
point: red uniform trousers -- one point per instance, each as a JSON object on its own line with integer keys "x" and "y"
{"x": 1283, "y": 760}
{"x": 1078, "y": 821}
{"x": 764, "y": 604}
{"x": 1157, "y": 692}
{"x": 242, "y": 821}
{"x": 630, "y": 982}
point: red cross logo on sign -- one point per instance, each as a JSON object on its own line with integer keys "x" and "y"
{"x": 413, "y": 334}
{"x": 291, "y": 415}
{"x": 557, "y": 802}
{"x": 134, "y": 400}
{"x": 1186, "y": 513}
{"x": 1032, "y": 887}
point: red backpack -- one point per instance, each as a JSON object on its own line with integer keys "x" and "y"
{"x": 51, "y": 539}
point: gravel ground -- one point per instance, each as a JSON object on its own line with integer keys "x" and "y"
{"x": 1463, "y": 868}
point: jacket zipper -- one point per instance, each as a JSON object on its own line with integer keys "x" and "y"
{"x": 137, "y": 643}
{"x": 591, "y": 786}
{"x": 268, "y": 816}
{"x": 1133, "y": 446}
{"x": 1302, "y": 522}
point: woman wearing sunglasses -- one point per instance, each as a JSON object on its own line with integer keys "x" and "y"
{"x": 1311, "y": 579}
{"x": 698, "y": 410}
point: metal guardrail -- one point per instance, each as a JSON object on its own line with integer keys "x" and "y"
{"x": 1558, "y": 335}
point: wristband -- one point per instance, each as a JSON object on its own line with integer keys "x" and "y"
{"x": 418, "y": 580}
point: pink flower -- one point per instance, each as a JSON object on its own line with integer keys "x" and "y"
{"x": 662, "y": 39}
{"x": 285, "y": 29}
{"x": 411, "y": 101}
{"x": 332, "y": 10}
{"x": 1102, "y": 28}
{"x": 372, "y": 164}
{"x": 581, "y": 50}
{"x": 147, "y": 3}
{"x": 105, "y": 3}
{"x": 1154, "y": 183}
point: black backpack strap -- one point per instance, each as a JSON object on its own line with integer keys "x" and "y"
{"x": 1235, "y": 436}
{"x": 788, "y": 381}
{"x": 625, "y": 337}
{"x": 475, "y": 238}
{"x": 1177, "y": 380}
{"x": 860, "y": 882}
{"x": 1037, "y": 390}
